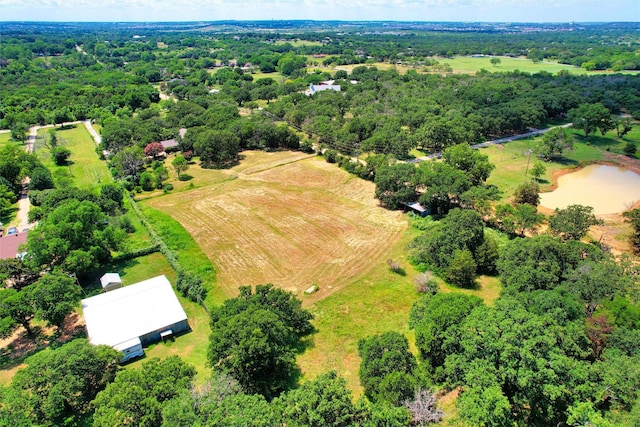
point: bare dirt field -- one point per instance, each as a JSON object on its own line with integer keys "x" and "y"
{"x": 288, "y": 219}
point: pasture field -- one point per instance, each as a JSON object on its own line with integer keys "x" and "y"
{"x": 293, "y": 220}
{"x": 299, "y": 42}
{"x": 84, "y": 168}
{"x": 285, "y": 218}
{"x": 471, "y": 65}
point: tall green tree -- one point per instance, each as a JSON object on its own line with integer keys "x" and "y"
{"x": 255, "y": 336}
{"x": 555, "y": 142}
{"x": 434, "y": 319}
{"x": 509, "y": 356}
{"x": 58, "y": 385}
{"x": 136, "y": 396}
{"x": 75, "y": 236}
{"x": 324, "y": 401}
{"x": 180, "y": 164}
{"x": 216, "y": 148}
{"x": 462, "y": 229}
{"x": 442, "y": 186}
{"x": 461, "y": 271}
{"x": 472, "y": 162}
{"x": 382, "y": 356}
{"x": 395, "y": 184}
{"x": 54, "y": 296}
{"x": 591, "y": 117}
{"x": 573, "y": 222}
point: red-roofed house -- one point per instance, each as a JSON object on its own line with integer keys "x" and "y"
{"x": 9, "y": 245}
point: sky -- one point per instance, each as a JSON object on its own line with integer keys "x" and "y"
{"x": 346, "y": 10}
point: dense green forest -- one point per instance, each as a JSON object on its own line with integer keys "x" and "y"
{"x": 560, "y": 346}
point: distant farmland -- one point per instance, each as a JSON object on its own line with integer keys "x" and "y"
{"x": 288, "y": 219}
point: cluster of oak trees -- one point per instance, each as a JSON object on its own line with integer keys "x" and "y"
{"x": 77, "y": 233}
{"x": 558, "y": 347}
{"x": 252, "y": 349}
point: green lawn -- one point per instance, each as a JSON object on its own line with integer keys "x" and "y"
{"x": 84, "y": 168}
{"x": 299, "y": 42}
{"x": 5, "y": 138}
{"x": 191, "y": 347}
{"x": 377, "y": 303}
{"x": 511, "y": 158}
{"x": 189, "y": 254}
{"x": 471, "y": 65}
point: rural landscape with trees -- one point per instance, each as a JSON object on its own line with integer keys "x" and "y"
{"x": 352, "y": 214}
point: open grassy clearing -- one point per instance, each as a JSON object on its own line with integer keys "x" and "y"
{"x": 5, "y": 139}
{"x": 377, "y": 302}
{"x": 189, "y": 254}
{"x": 299, "y": 42}
{"x": 287, "y": 218}
{"x": 293, "y": 220}
{"x": 471, "y": 65}
{"x": 84, "y": 169}
{"x": 511, "y": 158}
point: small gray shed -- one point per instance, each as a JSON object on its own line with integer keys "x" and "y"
{"x": 110, "y": 281}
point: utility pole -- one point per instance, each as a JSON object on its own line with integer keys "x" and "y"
{"x": 528, "y": 160}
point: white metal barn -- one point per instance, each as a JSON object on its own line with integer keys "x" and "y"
{"x": 134, "y": 316}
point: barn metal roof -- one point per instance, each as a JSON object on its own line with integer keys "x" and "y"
{"x": 128, "y": 313}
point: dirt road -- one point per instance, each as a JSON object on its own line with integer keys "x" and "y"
{"x": 534, "y": 132}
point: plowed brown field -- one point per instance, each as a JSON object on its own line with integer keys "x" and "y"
{"x": 288, "y": 219}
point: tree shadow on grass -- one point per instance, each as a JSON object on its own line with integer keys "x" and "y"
{"x": 91, "y": 282}
{"x": 599, "y": 141}
{"x": 305, "y": 344}
{"x": 565, "y": 161}
{"x": 185, "y": 177}
{"x": 22, "y": 345}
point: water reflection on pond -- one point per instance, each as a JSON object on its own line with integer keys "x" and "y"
{"x": 608, "y": 189}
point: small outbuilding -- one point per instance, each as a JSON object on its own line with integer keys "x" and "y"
{"x": 132, "y": 317}
{"x": 110, "y": 281}
{"x": 416, "y": 208}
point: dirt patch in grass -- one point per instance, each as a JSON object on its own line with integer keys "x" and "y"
{"x": 16, "y": 348}
{"x": 287, "y": 219}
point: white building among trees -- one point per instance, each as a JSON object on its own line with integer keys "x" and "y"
{"x": 134, "y": 316}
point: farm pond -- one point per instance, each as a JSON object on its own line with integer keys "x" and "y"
{"x": 608, "y": 189}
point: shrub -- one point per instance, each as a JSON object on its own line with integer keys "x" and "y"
{"x": 331, "y": 155}
{"x": 41, "y": 179}
{"x": 306, "y": 146}
{"x": 60, "y": 155}
{"x": 630, "y": 149}
{"x": 190, "y": 286}
{"x": 147, "y": 182}
{"x": 425, "y": 283}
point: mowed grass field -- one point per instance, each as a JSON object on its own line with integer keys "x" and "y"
{"x": 471, "y": 65}
{"x": 83, "y": 169}
{"x": 293, "y": 220}
{"x": 285, "y": 218}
